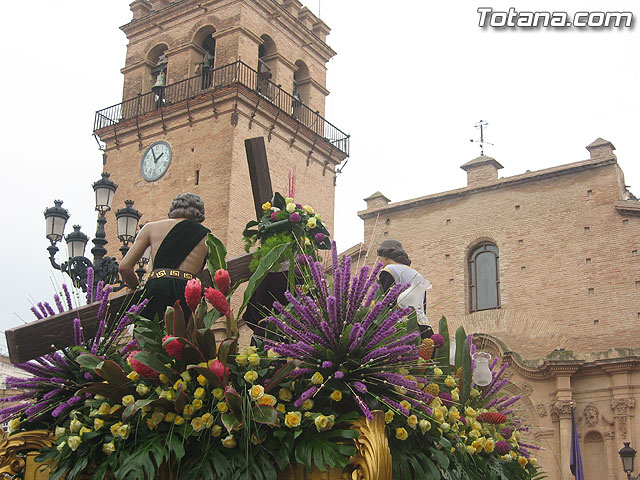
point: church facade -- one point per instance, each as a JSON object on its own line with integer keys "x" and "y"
{"x": 543, "y": 268}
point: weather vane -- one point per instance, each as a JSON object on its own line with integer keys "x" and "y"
{"x": 481, "y": 124}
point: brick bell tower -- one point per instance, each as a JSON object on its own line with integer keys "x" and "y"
{"x": 200, "y": 77}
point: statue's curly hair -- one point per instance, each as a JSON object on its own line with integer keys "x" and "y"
{"x": 393, "y": 249}
{"x": 187, "y": 205}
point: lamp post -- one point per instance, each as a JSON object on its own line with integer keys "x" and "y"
{"x": 105, "y": 268}
{"x": 628, "y": 456}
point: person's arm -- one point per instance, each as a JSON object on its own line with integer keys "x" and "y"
{"x": 386, "y": 280}
{"x": 128, "y": 263}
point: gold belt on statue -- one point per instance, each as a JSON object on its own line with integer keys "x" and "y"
{"x": 170, "y": 273}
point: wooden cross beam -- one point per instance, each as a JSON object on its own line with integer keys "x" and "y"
{"x": 43, "y": 336}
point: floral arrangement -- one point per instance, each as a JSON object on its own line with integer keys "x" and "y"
{"x": 285, "y": 221}
{"x": 176, "y": 397}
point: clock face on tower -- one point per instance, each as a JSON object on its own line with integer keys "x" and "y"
{"x": 155, "y": 161}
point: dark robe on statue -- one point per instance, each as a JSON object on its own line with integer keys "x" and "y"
{"x": 176, "y": 246}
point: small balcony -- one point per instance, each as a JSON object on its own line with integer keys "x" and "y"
{"x": 235, "y": 74}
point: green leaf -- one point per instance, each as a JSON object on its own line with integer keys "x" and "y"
{"x": 233, "y": 399}
{"x": 152, "y": 361}
{"x": 461, "y": 337}
{"x": 227, "y": 347}
{"x": 264, "y": 267}
{"x": 230, "y": 421}
{"x": 443, "y": 353}
{"x": 112, "y": 373}
{"x": 208, "y": 374}
{"x": 88, "y": 361}
{"x": 440, "y": 457}
{"x": 265, "y": 414}
{"x": 217, "y": 256}
{"x": 280, "y": 374}
{"x": 465, "y": 358}
{"x": 279, "y": 201}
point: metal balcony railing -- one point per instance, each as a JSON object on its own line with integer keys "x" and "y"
{"x": 237, "y": 73}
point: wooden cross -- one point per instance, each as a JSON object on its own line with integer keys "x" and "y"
{"x": 43, "y": 336}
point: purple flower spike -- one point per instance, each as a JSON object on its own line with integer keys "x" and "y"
{"x": 59, "y": 306}
{"x": 359, "y": 386}
{"x": 67, "y": 296}
{"x": 89, "y": 285}
{"x": 339, "y": 374}
{"x": 36, "y": 313}
{"x": 43, "y": 310}
{"x": 77, "y": 332}
{"x": 327, "y": 364}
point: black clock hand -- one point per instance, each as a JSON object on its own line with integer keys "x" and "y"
{"x": 155, "y": 160}
{"x": 159, "y": 157}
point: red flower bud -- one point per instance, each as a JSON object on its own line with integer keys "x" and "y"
{"x": 141, "y": 368}
{"x": 223, "y": 281}
{"x": 193, "y": 293}
{"x": 219, "y": 370}
{"x": 173, "y": 348}
{"x": 218, "y": 300}
{"x": 494, "y": 418}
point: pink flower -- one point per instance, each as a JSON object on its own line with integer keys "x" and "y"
{"x": 218, "y": 300}
{"x": 319, "y": 237}
{"x": 438, "y": 340}
{"x": 273, "y": 216}
{"x": 193, "y": 293}
{"x": 446, "y": 399}
{"x": 220, "y": 370}
{"x": 173, "y": 348}
{"x": 141, "y": 368}
{"x": 294, "y": 217}
{"x": 222, "y": 281}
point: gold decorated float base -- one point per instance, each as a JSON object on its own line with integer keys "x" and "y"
{"x": 372, "y": 460}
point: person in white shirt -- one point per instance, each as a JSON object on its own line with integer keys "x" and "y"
{"x": 397, "y": 270}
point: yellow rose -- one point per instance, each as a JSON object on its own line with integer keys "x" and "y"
{"x": 470, "y": 412}
{"x": 242, "y": 360}
{"x": 188, "y": 411}
{"x": 216, "y": 430}
{"x": 388, "y": 416}
{"x": 114, "y": 428}
{"x": 197, "y": 424}
{"x": 222, "y": 407}
{"x": 74, "y": 442}
{"x": 134, "y": 376}
{"x": 157, "y": 417}
{"x": 288, "y": 200}
{"x": 437, "y": 372}
{"x": 75, "y": 426}
{"x": 405, "y": 404}
{"x": 317, "y": 378}
{"x": 311, "y": 223}
{"x": 308, "y": 209}
{"x": 438, "y": 416}
{"x": 202, "y": 380}
{"x": 474, "y": 434}
{"x": 267, "y": 399}
{"x": 533, "y": 461}
{"x": 307, "y": 404}
{"x": 128, "y": 400}
{"x": 489, "y": 446}
{"x": 14, "y": 424}
{"x": 256, "y": 392}
{"x": 208, "y": 419}
{"x": 454, "y": 416}
{"x": 281, "y": 408}
{"x": 142, "y": 389}
{"x": 272, "y": 354}
{"x": 425, "y": 426}
{"x": 163, "y": 378}
{"x": 322, "y": 423}
{"x": 60, "y": 431}
{"x": 197, "y": 404}
{"x": 108, "y": 448}
{"x": 84, "y": 430}
{"x": 471, "y": 450}
{"x": 445, "y": 427}
{"x": 401, "y": 434}
{"x": 229, "y": 442}
{"x": 178, "y": 420}
{"x": 285, "y": 395}
{"x": 291, "y": 207}
{"x": 521, "y": 460}
{"x": 124, "y": 431}
{"x": 180, "y": 385}
{"x": 218, "y": 393}
{"x": 266, "y": 206}
{"x": 200, "y": 393}
{"x": 150, "y": 424}
{"x": 170, "y": 417}
{"x": 293, "y": 419}
{"x": 450, "y": 381}
{"x": 455, "y": 395}
{"x": 254, "y": 359}
{"x": 251, "y": 376}
{"x": 115, "y": 408}
{"x": 412, "y": 421}
{"x": 336, "y": 395}
{"x": 474, "y": 393}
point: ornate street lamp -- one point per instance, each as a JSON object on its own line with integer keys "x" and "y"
{"x": 105, "y": 268}
{"x": 628, "y": 456}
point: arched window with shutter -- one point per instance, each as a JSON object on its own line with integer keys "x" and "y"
{"x": 484, "y": 277}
